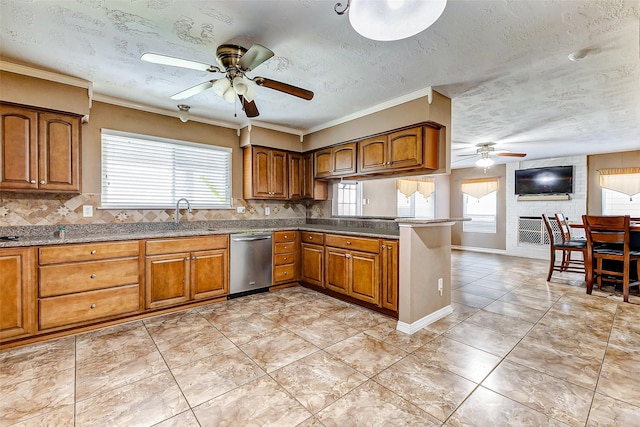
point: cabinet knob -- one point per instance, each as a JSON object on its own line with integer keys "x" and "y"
{"x": 93, "y": 252}
{"x": 193, "y": 257}
{"x": 42, "y": 182}
{"x": 310, "y": 237}
{"x": 92, "y": 306}
{"x": 285, "y": 258}
{"x": 348, "y": 242}
{"x": 186, "y": 259}
{"x": 286, "y": 237}
{"x": 93, "y": 276}
{"x": 347, "y": 256}
{"x": 33, "y": 181}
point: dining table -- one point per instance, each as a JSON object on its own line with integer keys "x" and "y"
{"x": 634, "y": 242}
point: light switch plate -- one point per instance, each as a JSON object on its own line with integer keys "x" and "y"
{"x": 240, "y": 209}
{"x": 267, "y": 211}
{"x": 87, "y": 211}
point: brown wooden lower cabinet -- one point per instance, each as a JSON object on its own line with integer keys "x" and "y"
{"x": 285, "y": 257}
{"x": 17, "y": 310}
{"x": 184, "y": 269}
{"x": 389, "y": 268}
{"x": 312, "y": 264}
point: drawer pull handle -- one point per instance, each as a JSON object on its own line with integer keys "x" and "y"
{"x": 93, "y": 276}
{"x": 92, "y": 306}
{"x": 93, "y": 252}
{"x": 310, "y": 237}
{"x": 285, "y": 258}
{"x": 285, "y": 273}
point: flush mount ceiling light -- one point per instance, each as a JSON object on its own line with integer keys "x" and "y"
{"x": 388, "y": 20}
{"x": 184, "y": 112}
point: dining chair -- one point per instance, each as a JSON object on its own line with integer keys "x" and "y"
{"x": 567, "y": 247}
{"x": 608, "y": 239}
{"x": 565, "y": 236}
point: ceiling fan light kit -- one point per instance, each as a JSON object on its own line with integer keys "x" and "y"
{"x": 234, "y": 62}
{"x": 390, "y": 20}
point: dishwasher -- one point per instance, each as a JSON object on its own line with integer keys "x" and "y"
{"x": 251, "y": 263}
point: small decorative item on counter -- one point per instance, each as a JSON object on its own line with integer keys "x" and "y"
{"x": 62, "y": 231}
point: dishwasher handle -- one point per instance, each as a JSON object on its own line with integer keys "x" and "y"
{"x": 250, "y": 239}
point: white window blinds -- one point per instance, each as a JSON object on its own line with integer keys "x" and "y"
{"x": 140, "y": 171}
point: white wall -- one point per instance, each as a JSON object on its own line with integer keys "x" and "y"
{"x": 573, "y": 208}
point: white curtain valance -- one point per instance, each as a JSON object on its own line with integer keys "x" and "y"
{"x": 623, "y": 180}
{"x": 408, "y": 186}
{"x": 479, "y": 188}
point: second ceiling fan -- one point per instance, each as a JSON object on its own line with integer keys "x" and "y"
{"x": 234, "y": 61}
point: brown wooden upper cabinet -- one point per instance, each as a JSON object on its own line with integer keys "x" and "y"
{"x": 397, "y": 150}
{"x": 265, "y": 173}
{"x": 296, "y": 175}
{"x": 336, "y": 161}
{"x": 40, "y": 150}
{"x": 413, "y": 148}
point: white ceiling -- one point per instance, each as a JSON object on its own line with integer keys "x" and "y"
{"x": 503, "y": 63}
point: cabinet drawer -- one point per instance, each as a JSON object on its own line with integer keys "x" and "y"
{"x": 284, "y": 248}
{"x": 283, "y": 273}
{"x": 87, "y": 306}
{"x": 284, "y": 236}
{"x": 282, "y": 259}
{"x": 312, "y": 237}
{"x": 87, "y": 252}
{"x": 86, "y": 276}
{"x": 187, "y": 244}
{"x": 356, "y": 243}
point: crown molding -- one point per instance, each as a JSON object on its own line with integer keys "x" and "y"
{"x": 163, "y": 111}
{"x": 271, "y": 126}
{"x": 45, "y": 75}
{"x": 426, "y": 92}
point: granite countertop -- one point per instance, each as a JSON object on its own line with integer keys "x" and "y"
{"x": 94, "y": 234}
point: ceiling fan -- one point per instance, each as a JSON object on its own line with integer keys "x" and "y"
{"x": 234, "y": 62}
{"x": 486, "y": 150}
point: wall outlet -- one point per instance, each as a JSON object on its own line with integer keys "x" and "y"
{"x": 267, "y": 210}
{"x": 240, "y": 209}
{"x": 87, "y": 211}
{"x": 440, "y": 286}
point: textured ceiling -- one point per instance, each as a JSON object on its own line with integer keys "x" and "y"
{"x": 503, "y": 63}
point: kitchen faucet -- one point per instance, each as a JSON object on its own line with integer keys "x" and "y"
{"x": 178, "y": 209}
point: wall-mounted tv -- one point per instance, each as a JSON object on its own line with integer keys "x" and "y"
{"x": 549, "y": 180}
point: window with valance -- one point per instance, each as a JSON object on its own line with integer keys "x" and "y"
{"x": 415, "y": 197}
{"x": 619, "y": 186}
{"x": 480, "y": 203}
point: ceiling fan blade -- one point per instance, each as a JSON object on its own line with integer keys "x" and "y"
{"x": 177, "y": 62}
{"x": 283, "y": 87}
{"x": 255, "y": 56}
{"x": 250, "y": 108}
{"x": 505, "y": 154}
{"x": 193, "y": 90}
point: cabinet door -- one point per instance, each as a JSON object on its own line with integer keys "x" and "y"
{"x": 279, "y": 176}
{"x": 296, "y": 176}
{"x": 209, "y": 274}
{"x": 372, "y": 154}
{"x": 323, "y": 162}
{"x": 261, "y": 172}
{"x": 389, "y": 275}
{"x": 431, "y": 144}
{"x": 344, "y": 159}
{"x": 307, "y": 177}
{"x": 59, "y": 161}
{"x": 167, "y": 279}
{"x": 312, "y": 264}
{"x": 405, "y": 149}
{"x": 18, "y": 148}
{"x": 16, "y": 293}
{"x": 338, "y": 264}
{"x": 365, "y": 277}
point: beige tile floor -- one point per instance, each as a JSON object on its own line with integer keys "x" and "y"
{"x": 515, "y": 352}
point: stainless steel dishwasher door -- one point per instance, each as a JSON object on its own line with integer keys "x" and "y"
{"x": 251, "y": 264}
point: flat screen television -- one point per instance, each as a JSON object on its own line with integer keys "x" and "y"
{"x": 549, "y": 180}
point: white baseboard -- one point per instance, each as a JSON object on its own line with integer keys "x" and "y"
{"x": 411, "y": 328}
{"x": 477, "y": 249}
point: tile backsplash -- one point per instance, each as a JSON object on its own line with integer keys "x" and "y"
{"x": 25, "y": 209}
